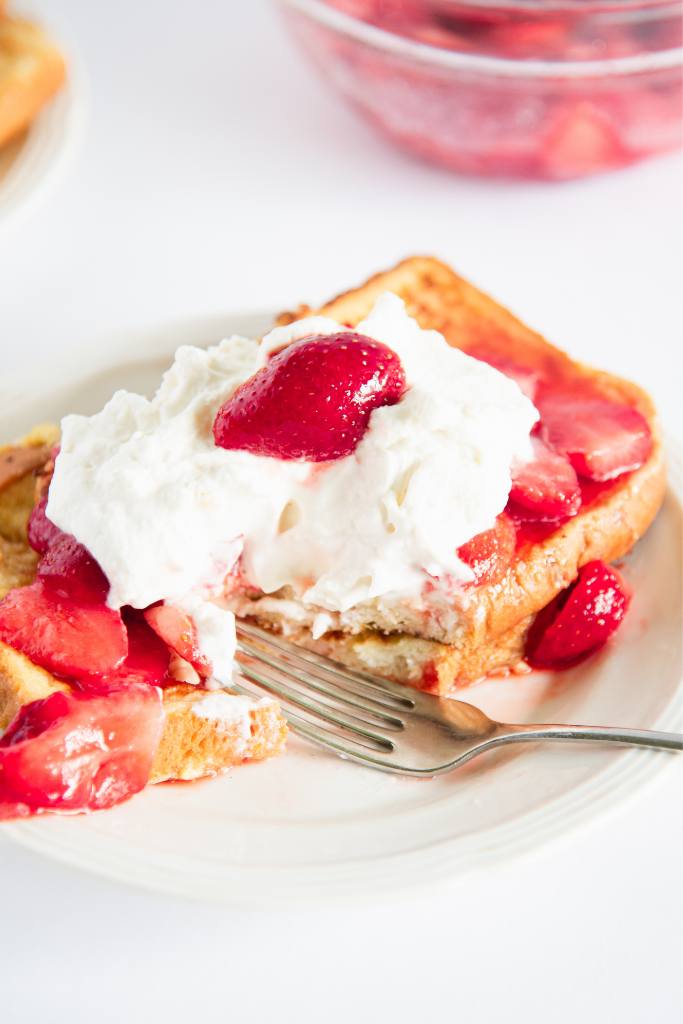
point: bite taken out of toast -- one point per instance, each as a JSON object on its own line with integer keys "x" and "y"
{"x": 492, "y": 621}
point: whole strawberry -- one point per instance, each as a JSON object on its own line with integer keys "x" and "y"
{"x": 313, "y": 400}
{"x": 579, "y": 620}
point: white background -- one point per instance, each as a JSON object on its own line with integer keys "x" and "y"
{"x": 215, "y": 175}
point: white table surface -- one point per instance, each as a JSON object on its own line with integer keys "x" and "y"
{"x": 216, "y": 175}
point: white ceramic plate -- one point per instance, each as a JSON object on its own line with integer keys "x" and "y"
{"x": 32, "y": 163}
{"x": 308, "y": 827}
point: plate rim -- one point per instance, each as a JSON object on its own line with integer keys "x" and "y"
{"x": 449, "y": 859}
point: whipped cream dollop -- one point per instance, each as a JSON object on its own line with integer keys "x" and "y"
{"x": 169, "y": 515}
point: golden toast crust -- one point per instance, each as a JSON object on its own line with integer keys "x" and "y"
{"x": 19, "y": 465}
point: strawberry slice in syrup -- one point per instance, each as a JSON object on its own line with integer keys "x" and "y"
{"x": 178, "y": 631}
{"x": 545, "y": 489}
{"x": 42, "y": 532}
{"x": 579, "y": 620}
{"x": 79, "y": 751}
{"x": 66, "y": 564}
{"x": 74, "y": 639}
{"x": 601, "y": 439}
{"x": 490, "y": 553}
{"x": 148, "y": 656}
{"x": 71, "y": 570}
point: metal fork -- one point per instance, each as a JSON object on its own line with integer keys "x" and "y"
{"x": 385, "y": 725}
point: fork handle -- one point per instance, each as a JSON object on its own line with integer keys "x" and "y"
{"x": 599, "y": 733}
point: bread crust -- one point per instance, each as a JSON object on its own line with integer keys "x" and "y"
{"x": 32, "y": 70}
{"x": 496, "y": 618}
{"x": 20, "y": 465}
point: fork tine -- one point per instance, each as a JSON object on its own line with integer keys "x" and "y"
{"x": 368, "y": 686}
{"x": 345, "y": 750}
{"x": 313, "y": 681}
{"x": 284, "y": 691}
{"x": 320, "y": 734}
{"x": 352, "y": 750}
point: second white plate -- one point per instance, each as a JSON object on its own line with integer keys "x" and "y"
{"x": 32, "y": 163}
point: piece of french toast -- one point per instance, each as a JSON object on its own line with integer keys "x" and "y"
{"x": 490, "y": 628}
{"x": 31, "y": 71}
{"x": 492, "y": 624}
{"x": 205, "y": 732}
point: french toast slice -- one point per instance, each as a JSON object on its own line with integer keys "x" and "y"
{"x": 31, "y": 71}
{"x": 493, "y": 620}
{"x": 205, "y": 732}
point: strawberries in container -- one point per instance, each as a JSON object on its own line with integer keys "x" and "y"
{"x": 520, "y": 90}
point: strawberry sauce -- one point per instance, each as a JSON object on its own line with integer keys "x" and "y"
{"x": 468, "y": 99}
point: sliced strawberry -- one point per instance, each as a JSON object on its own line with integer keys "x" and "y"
{"x": 601, "y": 439}
{"x": 42, "y": 533}
{"x": 490, "y": 553}
{"x": 71, "y": 570}
{"x": 533, "y": 38}
{"x": 66, "y": 564}
{"x": 581, "y": 141}
{"x": 178, "y": 631}
{"x": 79, "y": 752}
{"x": 73, "y": 639}
{"x": 579, "y": 620}
{"x": 148, "y": 656}
{"x": 312, "y": 400}
{"x": 546, "y": 489}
